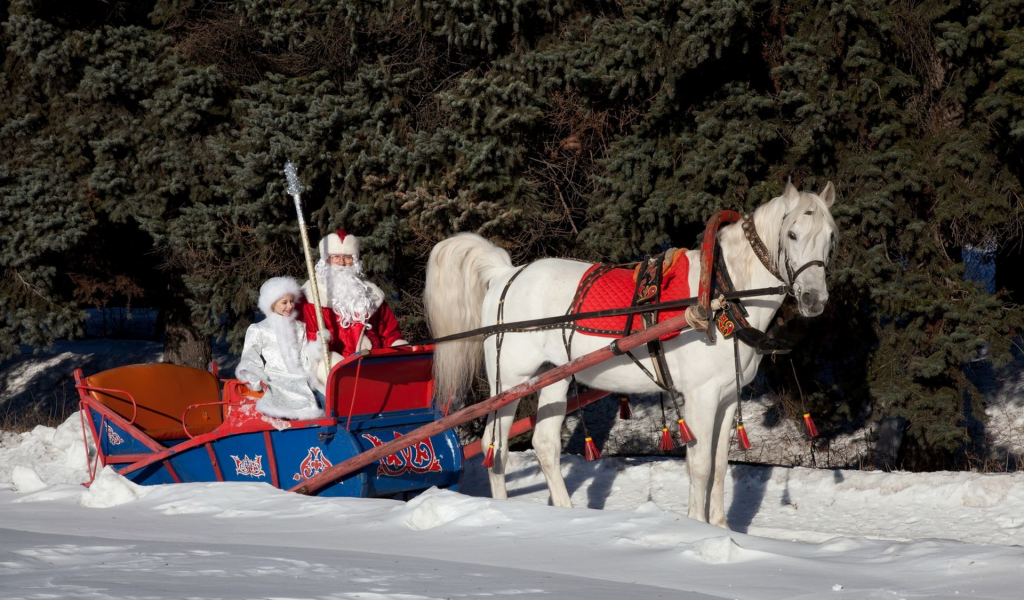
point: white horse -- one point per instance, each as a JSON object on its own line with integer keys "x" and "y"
{"x": 467, "y": 274}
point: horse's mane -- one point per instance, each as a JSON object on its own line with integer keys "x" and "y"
{"x": 772, "y": 219}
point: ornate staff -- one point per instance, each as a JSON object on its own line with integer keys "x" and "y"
{"x": 295, "y": 191}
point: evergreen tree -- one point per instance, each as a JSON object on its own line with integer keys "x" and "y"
{"x": 559, "y": 128}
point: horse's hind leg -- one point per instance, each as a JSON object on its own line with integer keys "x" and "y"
{"x": 496, "y": 474}
{"x": 547, "y": 440}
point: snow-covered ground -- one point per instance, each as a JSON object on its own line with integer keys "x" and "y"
{"x": 797, "y": 533}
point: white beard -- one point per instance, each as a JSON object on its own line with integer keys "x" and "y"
{"x": 348, "y": 294}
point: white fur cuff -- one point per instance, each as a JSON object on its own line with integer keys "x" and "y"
{"x": 314, "y": 351}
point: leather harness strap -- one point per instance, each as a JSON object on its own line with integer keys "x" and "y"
{"x": 648, "y": 291}
{"x": 500, "y": 336}
{"x": 732, "y": 320}
{"x": 648, "y": 287}
{"x": 794, "y": 274}
{"x": 760, "y": 250}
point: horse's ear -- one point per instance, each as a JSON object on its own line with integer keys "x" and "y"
{"x": 790, "y": 195}
{"x": 828, "y": 195}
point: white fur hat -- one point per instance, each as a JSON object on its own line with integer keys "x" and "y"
{"x": 274, "y": 288}
{"x": 339, "y": 242}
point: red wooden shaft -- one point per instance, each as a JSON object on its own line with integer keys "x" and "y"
{"x": 523, "y": 425}
{"x": 332, "y": 474}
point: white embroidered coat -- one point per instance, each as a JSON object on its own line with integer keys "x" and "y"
{"x": 282, "y": 366}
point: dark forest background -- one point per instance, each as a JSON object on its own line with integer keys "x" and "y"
{"x": 142, "y": 146}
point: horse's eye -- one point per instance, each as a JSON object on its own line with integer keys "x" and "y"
{"x": 792, "y": 236}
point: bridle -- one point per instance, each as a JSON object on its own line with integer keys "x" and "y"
{"x": 762, "y": 254}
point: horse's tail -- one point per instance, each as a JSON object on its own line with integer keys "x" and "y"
{"x": 459, "y": 271}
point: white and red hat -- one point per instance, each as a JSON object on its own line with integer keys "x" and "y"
{"x": 339, "y": 242}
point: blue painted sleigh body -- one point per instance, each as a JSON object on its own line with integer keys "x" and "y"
{"x": 162, "y": 423}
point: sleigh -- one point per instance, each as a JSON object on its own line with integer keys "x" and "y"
{"x": 162, "y": 423}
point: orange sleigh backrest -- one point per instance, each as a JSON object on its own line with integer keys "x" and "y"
{"x": 163, "y": 392}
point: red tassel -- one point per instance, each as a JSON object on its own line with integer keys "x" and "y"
{"x": 489, "y": 459}
{"x": 590, "y": 450}
{"x": 666, "y": 440}
{"x": 684, "y": 432}
{"x": 624, "y": 411}
{"x": 741, "y": 435}
{"x": 809, "y": 422}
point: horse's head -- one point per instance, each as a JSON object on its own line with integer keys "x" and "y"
{"x": 806, "y": 237}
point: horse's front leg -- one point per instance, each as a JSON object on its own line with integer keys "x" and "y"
{"x": 547, "y": 440}
{"x": 496, "y": 432}
{"x": 716, "y": 508}
{"x": 701, "y": 412}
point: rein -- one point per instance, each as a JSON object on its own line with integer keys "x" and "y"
{"x": 550, "y": 322}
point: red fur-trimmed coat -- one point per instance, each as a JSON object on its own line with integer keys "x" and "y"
{"x": 383, "y": 331}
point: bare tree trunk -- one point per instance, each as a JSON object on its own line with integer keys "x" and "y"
{"x": 184, "y": 342}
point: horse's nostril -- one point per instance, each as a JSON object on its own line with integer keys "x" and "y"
{"x": 807, "y": 298}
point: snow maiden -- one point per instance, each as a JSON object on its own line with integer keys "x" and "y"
{"x": 272, "y": 357}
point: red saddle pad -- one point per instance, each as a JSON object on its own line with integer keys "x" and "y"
{"x": 615, "y": 289}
